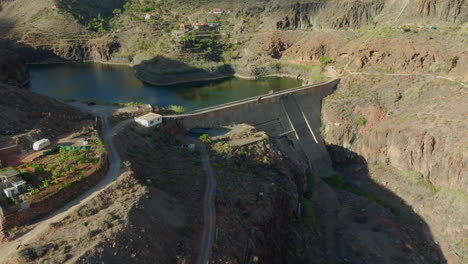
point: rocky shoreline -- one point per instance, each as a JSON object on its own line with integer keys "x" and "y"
{"x": 175, "y": 78}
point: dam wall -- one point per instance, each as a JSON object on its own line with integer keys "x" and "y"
{"x": 293, "y": 113}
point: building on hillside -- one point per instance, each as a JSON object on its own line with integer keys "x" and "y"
{"x": 41, "y": 144}
{"x": 148, "y": 17}
{"x": 8, "y": 174}
{"x": 55, "y": 7}
{"x": 15, "y": 188}
{"x": 186, "y": 26}
{"x": 11, "y": 184}
{"x": 217, "y": 11}
{"x": 149, "y": 120}
{"x": 201, "y": 26}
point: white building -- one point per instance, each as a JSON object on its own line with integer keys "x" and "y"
{"x": 217, "y": 11}
{"x": 147, "y": 17}
{"x": 149, "y": 120}
{"x": 41, "y": 144}
{"x": 17, "y": 187}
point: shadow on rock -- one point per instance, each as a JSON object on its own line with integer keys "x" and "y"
{"x": 372, "y": 223}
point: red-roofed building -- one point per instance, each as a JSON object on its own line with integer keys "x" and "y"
{"x": 217, "y": 11}
{"x": 186, "y": 26}
{"x": 201, "y": 25}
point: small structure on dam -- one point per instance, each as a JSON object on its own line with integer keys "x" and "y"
{"x": 294, "y": 114}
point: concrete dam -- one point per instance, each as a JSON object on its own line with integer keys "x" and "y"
{"x": 294, "y": 114}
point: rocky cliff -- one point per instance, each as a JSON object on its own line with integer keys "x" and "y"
{"x": 452, "y": 11}
{"x": 405, "y": 124}
{"x": 18, "y": 106}
{"x": 12, "y": 69}
{"x": 411, "y": 129}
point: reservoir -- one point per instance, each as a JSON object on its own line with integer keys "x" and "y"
{"x": 111, "y": 83}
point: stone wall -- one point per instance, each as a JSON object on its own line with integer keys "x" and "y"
{"x": 57, "y": 200}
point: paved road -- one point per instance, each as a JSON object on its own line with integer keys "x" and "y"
{"x": 8, "y": 248}
{"x": 208, "y": 209}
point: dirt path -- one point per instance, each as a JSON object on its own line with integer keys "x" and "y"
{"x": 208, "y": 209}
{"x": 8, "y": 248}
{"x": 427, "y": 75}
{"x": 327, "y": 205}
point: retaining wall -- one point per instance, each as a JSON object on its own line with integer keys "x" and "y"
{"x": 293, "y": 113}
{"x": 57, "y": 200}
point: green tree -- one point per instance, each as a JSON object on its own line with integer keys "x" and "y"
{"x": 97, "y": 24}
{"x": 324, "y": 60}
{"x": 205, "y": 138}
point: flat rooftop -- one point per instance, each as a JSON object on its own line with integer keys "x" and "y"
{"x": 9, "y": 173}
{"x": 149, "y": 116}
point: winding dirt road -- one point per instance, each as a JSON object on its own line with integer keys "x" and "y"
{"x": 208, "y": 209}
{"x": 9, "y": 248}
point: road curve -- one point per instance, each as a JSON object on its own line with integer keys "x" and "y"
{"x": 8, "y": 248}
{"x": 208, "y": 209}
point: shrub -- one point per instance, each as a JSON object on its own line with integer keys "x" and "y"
{"x": 97, "y": 24}
{"x": 205, "y": 138}
{"x": 323, "y": 131}
{"x": 324, "y": 60}
{"x": 177, "y": 109}
{"x": 361, "y": 121}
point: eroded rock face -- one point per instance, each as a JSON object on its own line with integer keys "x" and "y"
{"x": 98, "y": 50}
{"x": 453, "y": 11}
{"x": 408, "y": 124}
{"x": 300, "y": 17}
{"x": 459, "y": 67}
{"x": 449, "y": 10}
{"x": 410, "y": 131}
{"x": 399, "y": 55}
{"x": 353, "y": 14}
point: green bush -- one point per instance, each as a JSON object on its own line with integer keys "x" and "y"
{"x": 324, "y": 60}
{"x": 97, "y": 24}
{"x": 205, "y": 138}
{"x": 323, "y": 131}
{"x": 361, "y": 121}
{"x": 177, "y": 109}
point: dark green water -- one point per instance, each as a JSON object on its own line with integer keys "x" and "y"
{"x": 109, "y": 83}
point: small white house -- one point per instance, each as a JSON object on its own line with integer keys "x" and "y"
{"x": 41, "y": 144}
{"x": 147, "y": 17}
{"x": 149, "y": 120}
{"x": 20, "y": 186}
{"x": 217, "y": 11}
{"x": 9, "y": 192}
{"x": 16, "y": 188}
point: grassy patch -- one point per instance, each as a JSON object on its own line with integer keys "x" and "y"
{"x": 177, "y": 109}
{"x": 312, "y": 72}
{"x": 361, "y": 121}
{"x": 417, "y": 177}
